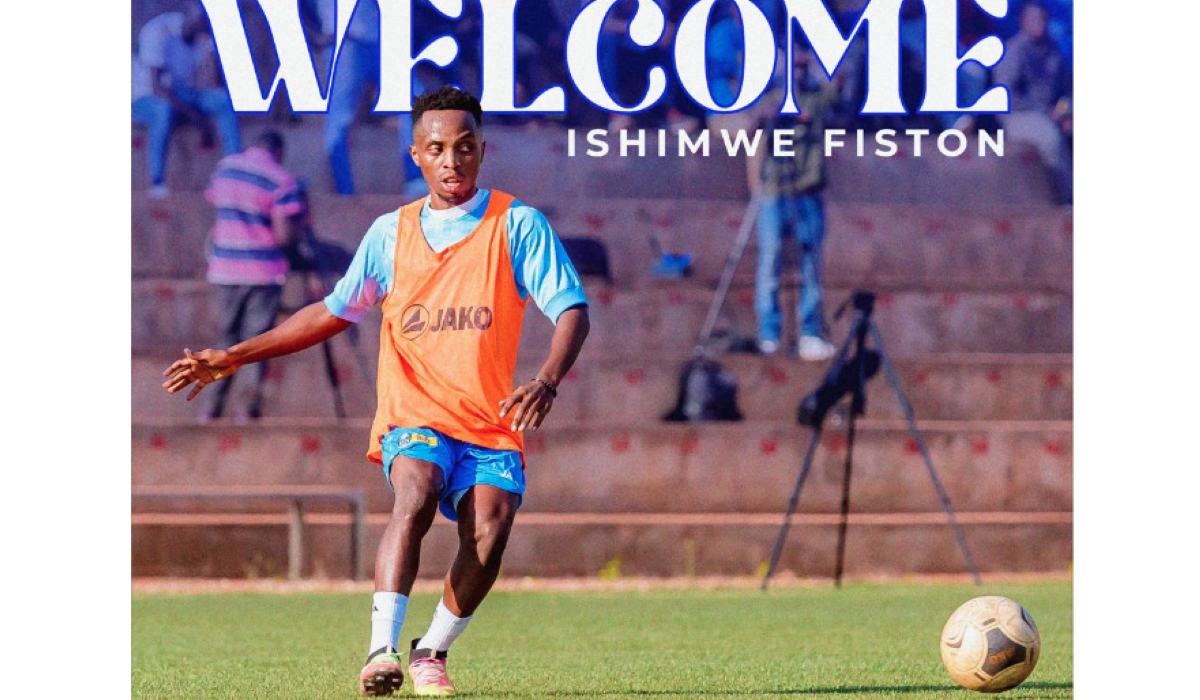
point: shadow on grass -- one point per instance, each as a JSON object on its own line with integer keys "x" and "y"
{"x": 848, "y": 690}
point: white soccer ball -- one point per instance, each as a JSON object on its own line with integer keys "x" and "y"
{"x": 990, "y": 644}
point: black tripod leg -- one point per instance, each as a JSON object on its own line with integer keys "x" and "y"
{"x": 334, "y": 385}
{"x": 845, "y": 514}
{"x": 328, "y": 281}
{"x": 858, "y": 405}
{"x": 364, "y": 366}
{"x": 360, "y": 358}
{"x": 906, "y": 407}
{"x": 787, "y": 518}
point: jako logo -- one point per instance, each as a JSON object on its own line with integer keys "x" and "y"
{"x": 415, "y": 320}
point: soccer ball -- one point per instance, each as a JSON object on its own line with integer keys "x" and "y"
{"x": 990, "y": 644}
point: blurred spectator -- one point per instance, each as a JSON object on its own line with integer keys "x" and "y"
{"x": 357, "y": 66}
{"x": 175, "y": 79}
{"x": 973, "y": 78}
{"x": 723, "y": 66}
{"x": 541, "y": 40}
{"x": 726, "y": 52}
{"x": 792, "y": 201}
{"x": 467, "y": 31}
{"x": 539, "y": 43}
{"x": 623, "y": 68}
{"x": 773, "y": 11}
{"x": 1059, "y": 23}
{"x": 1039, "y": 84}
{"x": 912, "y": 69}
{"x": 681, "y": 112}
{"x": 613, "y": 48}
{"x": 256, "y": 200}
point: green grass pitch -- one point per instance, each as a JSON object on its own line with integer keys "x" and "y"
{"x": 866, "y": 640}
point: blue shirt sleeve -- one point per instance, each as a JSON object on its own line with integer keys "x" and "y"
{"x": 723, "y": 61}
{"x": 540, "y": 263}
{"x": 369, "y": 277}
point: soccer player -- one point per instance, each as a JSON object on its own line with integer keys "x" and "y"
{"x": 453, "y": 273}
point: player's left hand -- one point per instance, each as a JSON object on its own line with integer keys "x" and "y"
{"x": 529, "y": 404}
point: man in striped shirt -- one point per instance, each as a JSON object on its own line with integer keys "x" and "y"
{"x": 256, "y": 200}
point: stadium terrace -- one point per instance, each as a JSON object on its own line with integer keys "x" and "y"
{"x": 811, "y": 17}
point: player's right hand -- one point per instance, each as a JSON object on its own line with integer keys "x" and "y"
{"x": 199, "y": 368}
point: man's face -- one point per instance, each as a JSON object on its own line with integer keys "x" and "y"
{"x": 448, "y": 146}
{"x": 803, "y": 61}
{"x": 194, "y": 23}
{"x": 1033, "y": 22}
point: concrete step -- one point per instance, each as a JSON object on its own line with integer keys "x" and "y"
{"x": 866, "y": 244}
{"x": 656, "y": 545}
{"x": 665, "y": 320}
{"x": 662, "y": 501}
{"x": 604, "y": 391}
{"x": 524, "y": 161}
{"x": 901, "y": 247}
{"x": 518, "y": 161}
{"x": 750, "y": 467}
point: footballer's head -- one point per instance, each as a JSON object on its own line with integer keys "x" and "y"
{"x": 448, "y": 144}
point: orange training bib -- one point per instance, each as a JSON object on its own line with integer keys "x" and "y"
{"x": 451, "y": 325}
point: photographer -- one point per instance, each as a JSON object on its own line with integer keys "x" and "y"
{"x": 792, "y": 200}
{"x": 257, "y": 202}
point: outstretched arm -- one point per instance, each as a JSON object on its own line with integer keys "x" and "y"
{"x": 531, "y": 402}
{"x": 305, "y": 328}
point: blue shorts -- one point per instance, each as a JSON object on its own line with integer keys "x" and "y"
{"x": 463, "y": 465}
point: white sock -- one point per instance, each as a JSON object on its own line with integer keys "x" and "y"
{"x": 444, "y": 629}
{"x": 387, "y": 616}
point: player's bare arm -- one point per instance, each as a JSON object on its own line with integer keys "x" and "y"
{"x": 307, "y": 327}
{"x": 532, "y": 401}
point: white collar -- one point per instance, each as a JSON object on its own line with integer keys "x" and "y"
{"x": 454, "y": 212}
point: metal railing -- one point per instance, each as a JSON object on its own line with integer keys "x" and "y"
{"x": 294, "y": 496}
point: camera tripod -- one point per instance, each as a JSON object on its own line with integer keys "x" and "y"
{"x": 851, "y": 367}
{"x": 324, "y": 263}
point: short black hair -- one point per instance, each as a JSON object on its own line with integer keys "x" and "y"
{"x": 447, "y": 97}
{"x": 270, "y": 140}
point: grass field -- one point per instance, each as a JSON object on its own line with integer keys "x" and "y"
{"x": 865, "y": 640}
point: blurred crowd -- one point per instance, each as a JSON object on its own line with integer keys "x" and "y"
{"x": 176, "y": 79}
{"x": 261, "y": 209}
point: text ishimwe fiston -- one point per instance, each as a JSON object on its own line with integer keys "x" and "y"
{"x": 780, "y": 143}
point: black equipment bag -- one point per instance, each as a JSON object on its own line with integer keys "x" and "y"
{"x": 589, "y": 256}
{"x": 707, "y": 392}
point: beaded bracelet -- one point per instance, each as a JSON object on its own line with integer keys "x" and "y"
{"x": 549, "y": 387}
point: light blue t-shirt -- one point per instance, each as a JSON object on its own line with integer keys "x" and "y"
{"x": 541, "y": 267}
